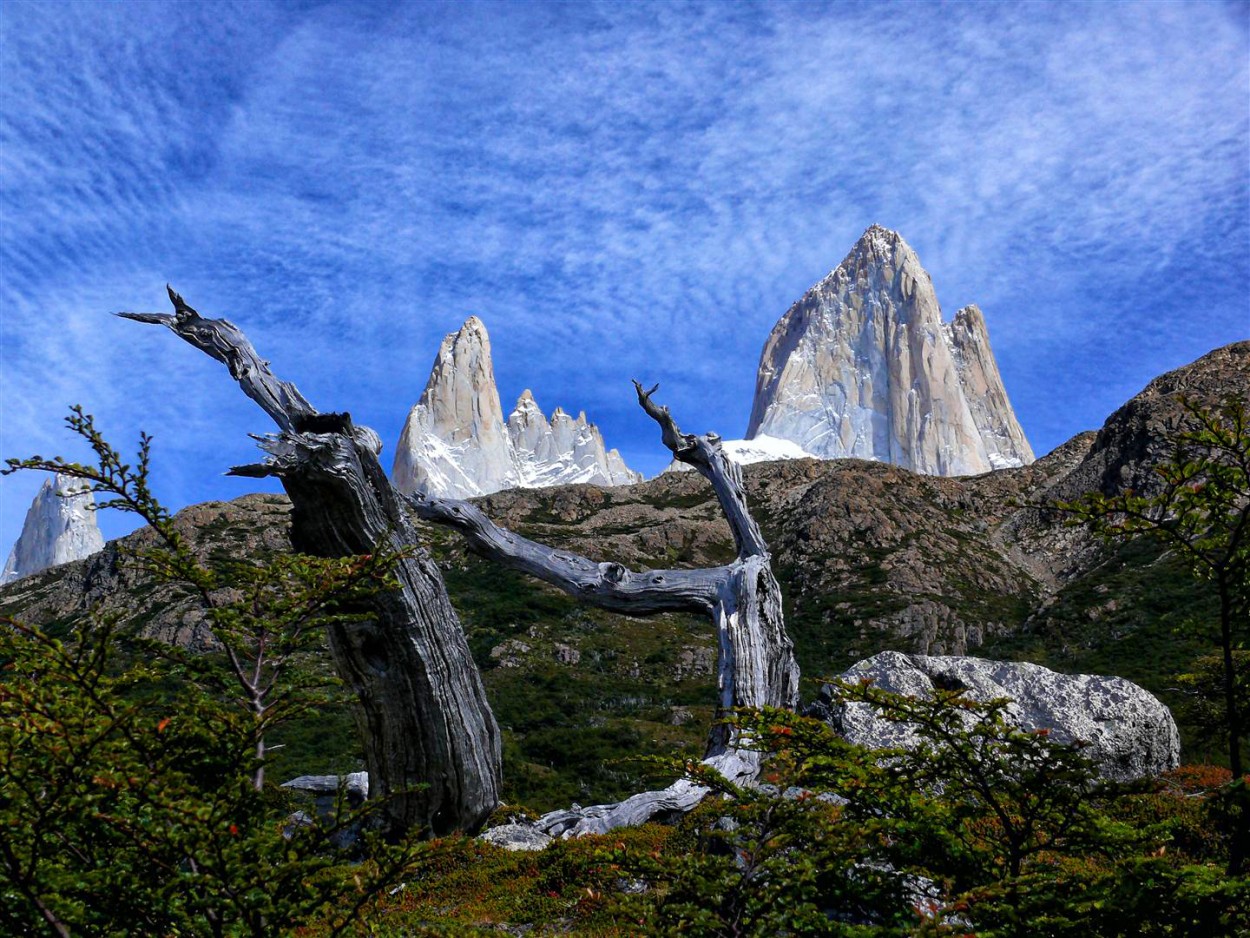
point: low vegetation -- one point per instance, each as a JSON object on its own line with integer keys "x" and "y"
{"x": 137, "y": 790}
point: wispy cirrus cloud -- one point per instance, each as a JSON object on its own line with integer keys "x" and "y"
{"x": 619, "y": 190}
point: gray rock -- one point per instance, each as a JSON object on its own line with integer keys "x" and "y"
{"x": 516, "y": 837}
{"x": 325, "y": 791}
{"x": 969, "y": 341}
{"x": 356, "y": 784}
{"x": 1130, "y": 734}
{"x": 863, "y": 366}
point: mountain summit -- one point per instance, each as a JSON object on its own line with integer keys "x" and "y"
{"x": 863, "y": 366}
{"x": 456, "y": 442}
{"x": 60, "y": 526}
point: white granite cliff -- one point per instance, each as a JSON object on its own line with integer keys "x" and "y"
{"x": 863, "y": 366}
{"x": 1004, "y": 440}
{"x": 456, "y": 442}
{"x": 59, "y": 527}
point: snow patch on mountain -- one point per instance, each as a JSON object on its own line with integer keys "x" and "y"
{"x": 745, "y": 452}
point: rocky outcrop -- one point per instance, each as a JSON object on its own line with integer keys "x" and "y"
{"x": 1129, "y": 733}
{"x": 456, "y": 442}
{"x": 561, "y": 451}
{"x": 60, "y": 526}
{"x": 112, "y": 582}
{"x": 863, "y": 366}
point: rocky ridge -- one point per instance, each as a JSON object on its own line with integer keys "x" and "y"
{"x": 870, "y": 557}
{"x": 862, "y": 366}
{"x": 456, "y": 442}
{"x": 60, "y": 526}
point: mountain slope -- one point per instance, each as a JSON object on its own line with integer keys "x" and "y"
{"x": 870, "y": 557}
{"x": 60, "y": 526}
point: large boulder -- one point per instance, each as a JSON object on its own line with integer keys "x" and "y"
{"x": 1130, "y": 734}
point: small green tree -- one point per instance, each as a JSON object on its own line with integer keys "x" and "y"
{"x": 132, "y": 787}
{"x": 1202, "y": 512}
{"x": 1203, "y": 686}
{"x": 266, "y": 613}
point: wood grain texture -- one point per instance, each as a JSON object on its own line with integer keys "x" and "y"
{"x": 755, "y": 657}
{"x": 432, "y": 747}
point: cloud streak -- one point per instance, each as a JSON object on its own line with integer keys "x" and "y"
{"x": 618, "y": 190}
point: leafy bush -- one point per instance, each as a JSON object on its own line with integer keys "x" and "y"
{"x": 132, "y": 791}
{"x": 981, "y": 828}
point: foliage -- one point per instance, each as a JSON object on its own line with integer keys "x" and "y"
{"x": 266, "y": 614}
{"x": 1201, "y": 511}
{"x": 132, "y": 791}
{"x": 979, "y": 828}
{"x": 125, "y": 810}
{"x": 1203, "y": 688}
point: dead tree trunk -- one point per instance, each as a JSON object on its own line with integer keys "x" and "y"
{"x": 432, "y": 747}
{"x": 755, "y": 661}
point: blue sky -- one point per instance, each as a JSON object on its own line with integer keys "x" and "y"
{"x": 619, "y": 190}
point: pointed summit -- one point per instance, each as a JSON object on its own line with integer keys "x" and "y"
{"x": 456, "y": 442}
{"x": 453, "y": 442}
{"x": 862, "y": 366}
{"x": 60, "y": 526}
{"x": 1005, "y": 443}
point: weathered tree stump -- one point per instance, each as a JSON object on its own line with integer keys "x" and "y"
{"x": 425, "y": 719}
{"x": 432, "y": 747}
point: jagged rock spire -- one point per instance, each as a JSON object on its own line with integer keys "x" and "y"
{"x": 863, "y": 366}
{"x": 60, "y": 526}
{"x": 457, "y": 444}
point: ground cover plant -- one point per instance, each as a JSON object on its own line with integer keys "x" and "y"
{"x": 982, "y": 829}
{"x": 133, "y": 793}
{"x": 134, "y": 800}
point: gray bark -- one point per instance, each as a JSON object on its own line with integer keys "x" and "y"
{"x": 432, "y": 747}
{"x": 755, "y": 659}
{"x": 425, "y": 716}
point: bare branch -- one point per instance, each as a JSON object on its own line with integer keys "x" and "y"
{"x": 705, "y": 454}
{"x": 225, "y": 341}
{"x": 608, "y": 585}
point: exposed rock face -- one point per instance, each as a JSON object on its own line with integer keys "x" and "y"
{"x": 456, "y": 442}
{"x": 110, "y": 583}
{"x": 1130, "y": 733}
{"x": 562, "y": 451}
{"x": 1005, "y": 444}
{"x": 59, "y": 527}
{"x": 863, "y": 366}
